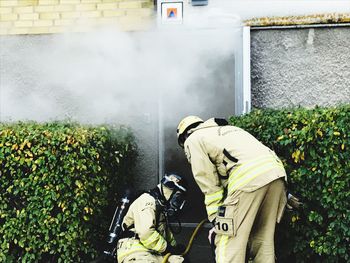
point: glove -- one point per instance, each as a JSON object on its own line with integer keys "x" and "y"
{"x": 211, "y": 235}
{"x": 293, "y": 202}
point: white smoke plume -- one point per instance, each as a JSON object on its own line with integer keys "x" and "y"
{"x": 148, "y": 80}
{"x": 106, "y": 75}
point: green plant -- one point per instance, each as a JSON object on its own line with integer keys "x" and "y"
{"x": 314, "y": 147}
{"x": 56, "y": 182}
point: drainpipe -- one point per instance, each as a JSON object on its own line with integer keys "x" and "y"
{"x": 242, "y": 74}
{"x": 160, "y": 137}
{"x": 246, "y": 71}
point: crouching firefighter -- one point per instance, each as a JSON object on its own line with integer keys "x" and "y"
{"x": 147, "y": 236}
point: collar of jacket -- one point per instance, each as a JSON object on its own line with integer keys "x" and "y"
{"x": 207, "y": 124}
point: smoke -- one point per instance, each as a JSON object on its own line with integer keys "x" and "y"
{"x": 107, "y": 75}
{"x": 147, "y": 80}
{"x": 110, "y": 76}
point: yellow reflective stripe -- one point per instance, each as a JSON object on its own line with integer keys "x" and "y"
{"x": 247, "y": 170}
{"x": 151, "y": 239}
{"x": 253, "y": 170}
{"x": 222, "y": 249}
{"x": 161, "y": 244}
{"x": 171, "y": 238}
{"x": 242, "y": 169}
{"x": 134, "y": 248}
{"x": 212, "y": 209}
{"x": 173, "y": 242}
{"x": 262, "y": 169}
{"x": 210, "y": 198}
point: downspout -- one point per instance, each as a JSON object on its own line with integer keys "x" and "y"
{"x": 242, "y": 74}
{"x": 160, "y": 137}
{"x": 246, "y": 71}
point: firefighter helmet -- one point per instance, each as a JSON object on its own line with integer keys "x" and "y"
{"x": 178, "y": 188}
{"x": 184, "y": 126}
{"x": 174, "y": 182}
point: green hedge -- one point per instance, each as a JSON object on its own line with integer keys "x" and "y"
{"x": 314, "y": 146}
{"x": 56, "y": 182}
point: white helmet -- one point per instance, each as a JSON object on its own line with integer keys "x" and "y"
{"x": 177, "y": 198}
{"x": 184, "y": 126}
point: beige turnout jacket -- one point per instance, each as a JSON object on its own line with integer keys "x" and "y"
{"x": 151, "y": 236}
{"x": 225, "y": 159}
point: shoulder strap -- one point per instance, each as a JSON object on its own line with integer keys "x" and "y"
{"x": 221, "y": 122}
{"x": 155, "y": 193}
{"x": 229, "y": 156}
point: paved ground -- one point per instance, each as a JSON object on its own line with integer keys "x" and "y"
{"x": 201, "y": 251}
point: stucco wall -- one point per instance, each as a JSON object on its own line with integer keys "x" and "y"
{"x": 307, "y": 67}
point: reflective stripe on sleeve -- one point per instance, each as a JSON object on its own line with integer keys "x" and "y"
{"x": 213, "y": 201}
{"x": 155, "y": 242}
{"x": 214, "y": 197}
{"x": 151, "y": 239}
{"x": 212, "y": 209}
{"x": 160, "y": 246}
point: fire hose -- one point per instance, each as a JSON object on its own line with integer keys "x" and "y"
{"x": 190, "y": 242}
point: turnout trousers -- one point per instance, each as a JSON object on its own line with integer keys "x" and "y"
{"x": 254, "y": 219}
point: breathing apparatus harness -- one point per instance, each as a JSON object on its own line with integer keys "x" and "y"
{"x": 115, "y": 230}
{"x": 170, "y": 207}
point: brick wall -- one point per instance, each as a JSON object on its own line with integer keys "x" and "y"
{"x": 56, "y": 16}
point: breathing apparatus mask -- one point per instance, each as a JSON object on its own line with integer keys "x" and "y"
{"x": 177, "y": 199}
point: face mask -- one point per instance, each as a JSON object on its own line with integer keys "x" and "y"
{"x": 175, "y": 203}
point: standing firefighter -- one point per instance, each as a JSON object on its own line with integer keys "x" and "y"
{"x": 243, "y": 185}
{"x": 147, "y": 236}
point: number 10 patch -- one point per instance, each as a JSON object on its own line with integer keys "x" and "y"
{"x": 224, "y": 226}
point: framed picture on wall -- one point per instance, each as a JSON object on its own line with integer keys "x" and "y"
{"x": 171, "y": 12}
